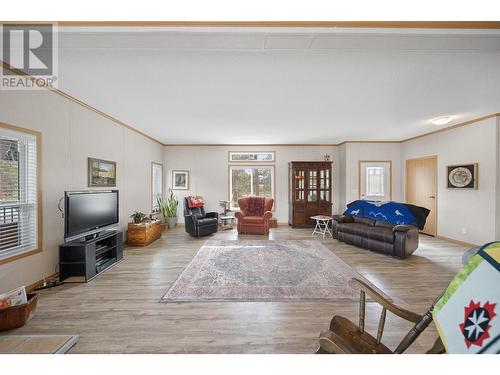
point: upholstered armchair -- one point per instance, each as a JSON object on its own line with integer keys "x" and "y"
{"x": 198, "y": 222}
{"x": 254, "y": 214}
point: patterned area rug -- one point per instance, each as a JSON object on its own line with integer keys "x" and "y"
{"x": 264, "y": 271}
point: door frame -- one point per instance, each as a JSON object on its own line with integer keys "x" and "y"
{"x": 435, "y": 157}
{"x": 375, "y": 161}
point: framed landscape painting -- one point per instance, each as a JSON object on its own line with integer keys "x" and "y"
{"x": 101, "y": 173}
{"x": 180, "y": 180}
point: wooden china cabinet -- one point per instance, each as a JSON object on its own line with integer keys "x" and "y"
{"x": 310, "y": 191}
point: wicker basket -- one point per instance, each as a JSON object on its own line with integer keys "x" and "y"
{"x": 17, "y": 316}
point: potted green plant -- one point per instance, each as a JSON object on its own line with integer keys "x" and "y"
{"x": 168, "y": 208}
{"x": 162, "y": 208}
{"x": 138, "y": 216}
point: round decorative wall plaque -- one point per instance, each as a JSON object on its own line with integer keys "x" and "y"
{"x": 460, "y": 177}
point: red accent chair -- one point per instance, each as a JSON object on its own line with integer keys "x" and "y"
{"x": 254, "y": 214}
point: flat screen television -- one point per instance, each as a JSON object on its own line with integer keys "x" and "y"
{"x": 89, "y": 212}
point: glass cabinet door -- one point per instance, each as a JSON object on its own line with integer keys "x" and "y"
{"x": 312, "y": 185}
{"x": 324, "y": 184}
{"x": 299, "y": 182}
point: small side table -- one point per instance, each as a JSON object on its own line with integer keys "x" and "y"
{"x": 322, "y": 225}
{"x": 226, "y": 222}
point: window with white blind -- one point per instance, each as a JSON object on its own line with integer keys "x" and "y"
{"x": 156, "y": 185}
{"x": 375, "y": 181}
{"x": 19, "y": 211}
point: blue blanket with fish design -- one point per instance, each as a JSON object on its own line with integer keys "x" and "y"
{"x": 391, "y": 212}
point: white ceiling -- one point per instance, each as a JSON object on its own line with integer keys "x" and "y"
{"x": 281, "y": 86}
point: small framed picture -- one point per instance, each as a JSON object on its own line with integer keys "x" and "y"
{"x": 180, "y": 180}
{"x": 463, "y": 176}
{"x": 101, "y": 173}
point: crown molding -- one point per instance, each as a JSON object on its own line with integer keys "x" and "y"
{"x": 470, "y": 122}
{"x": 346, "y": 142}
{"x": 298, "y": 24}
{"x": 249, "y": 144}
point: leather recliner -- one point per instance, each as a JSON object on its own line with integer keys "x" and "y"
{"x": 396, "y": 240}
{"x": 197, "y": 222}
{"x": 254, "y": 215}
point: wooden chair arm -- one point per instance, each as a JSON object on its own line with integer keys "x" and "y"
{"x": 395, "y": 309}
{"x": 268, "y": 215}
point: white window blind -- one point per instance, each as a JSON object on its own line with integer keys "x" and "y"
{"x": 157, "y": 185}
{"x": 18, "y": 193}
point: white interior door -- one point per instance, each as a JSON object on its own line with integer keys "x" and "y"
{"x": 375, "y": 180}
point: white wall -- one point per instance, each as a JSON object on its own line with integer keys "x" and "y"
{"x": 472, "y": 210}
{"x": 70, "y": 134}
{"x": 209, "y": 174}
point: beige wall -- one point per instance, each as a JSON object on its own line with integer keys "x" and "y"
{"x": 70, "y": 134}
{"x": 464, "y": 215}
{"x": 208, "y": 167}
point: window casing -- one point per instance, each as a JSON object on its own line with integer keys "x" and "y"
{"x": 246, "y": 180}
{"x": 20, "y": 212}
{"x": 156, "y": 185}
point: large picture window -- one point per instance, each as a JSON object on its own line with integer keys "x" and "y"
{"x": 19, "y": 201}
{"x": 156, "y": 185}
{"x": 257, "y": 180}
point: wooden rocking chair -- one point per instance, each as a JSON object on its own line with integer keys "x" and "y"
{"x": 344, "y": 337}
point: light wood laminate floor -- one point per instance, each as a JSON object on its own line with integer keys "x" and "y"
{"x": 120, "y": 312}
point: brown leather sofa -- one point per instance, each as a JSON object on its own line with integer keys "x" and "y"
{"x": 254, "y": 214}
{"x": 397, "y": 240}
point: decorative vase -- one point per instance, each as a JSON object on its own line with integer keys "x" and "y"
{"x": 172, "y": 221}
{"x": 137, "y": 220}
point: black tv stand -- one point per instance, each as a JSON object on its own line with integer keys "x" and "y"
{"x": 85, "y": 258}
